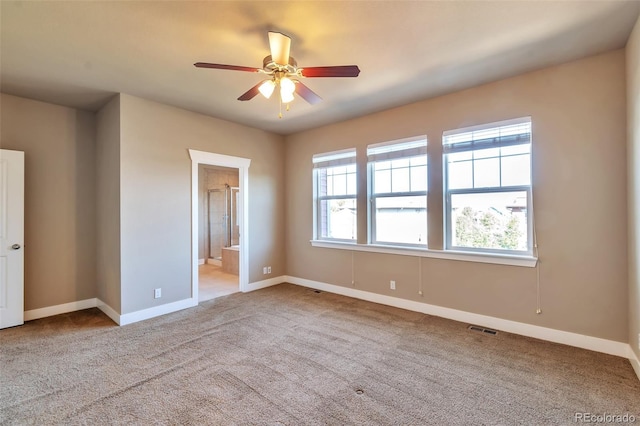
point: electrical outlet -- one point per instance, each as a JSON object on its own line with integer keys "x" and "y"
{"x": 264, "y": 270}
{"x": 392, "y": 285}
{"x": 268, "y": 269}
{"x": 157, "y": 293}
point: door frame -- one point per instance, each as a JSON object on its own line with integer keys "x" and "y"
{"x": 242, "y": 164}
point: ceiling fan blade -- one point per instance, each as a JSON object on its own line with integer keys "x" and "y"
{"x": 225, "y": 67}
{"x": 280, "y": 45}
{"x": 338, "y": 71}
{"x": 251, "y": 93}
{"x": 307, "y": 94}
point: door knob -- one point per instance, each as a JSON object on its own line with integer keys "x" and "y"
{"x": 16, "y": 246}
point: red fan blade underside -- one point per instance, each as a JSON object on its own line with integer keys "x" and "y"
{"x": 307, "y": 94}
{"x": 338, "y": 71}
{"x": 225, "y": 67}
{"x": 251, "y": 93}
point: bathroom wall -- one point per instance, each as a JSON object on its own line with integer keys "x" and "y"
{"x": 213, "y": 213}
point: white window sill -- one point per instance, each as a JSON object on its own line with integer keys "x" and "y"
{"x": 498, "y": 259}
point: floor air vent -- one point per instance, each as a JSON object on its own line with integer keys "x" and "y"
{"x": 482, "y": 330}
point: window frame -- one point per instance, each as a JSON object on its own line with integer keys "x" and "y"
{"x": 447, "y": 193}
{"x": 323, "y": 161}
{"x": 412, "y": 146}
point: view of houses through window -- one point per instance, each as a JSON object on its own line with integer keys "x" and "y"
{"x": 491, "y": 220}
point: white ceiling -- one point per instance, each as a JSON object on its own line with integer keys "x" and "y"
{"x": 80, "y": 54}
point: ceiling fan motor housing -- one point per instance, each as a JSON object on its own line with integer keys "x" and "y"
{"x": 269, "y": 66}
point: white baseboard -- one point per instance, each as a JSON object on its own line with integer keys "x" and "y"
{"x": 572, "y": 339}
{"x": 635, "y": 362}
{"x": 144, "y": 314}
{"x": 108, "y": 311}
{"x": 200, "y": 261}
{"x": 156, "y": 311}
{"x": 557, "y": 336}
{"x": 59, "y": 309}
{"x": 266, "y": 283}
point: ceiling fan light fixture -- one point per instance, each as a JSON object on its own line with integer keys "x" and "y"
{"x": 287, "y": 85}
{"x": 285, "y": 96}
{"x": 287, "y": 88}
{"x": 280, "y": 45}
{"x": 282, "y": 71}
{"x": 266, "y": 88}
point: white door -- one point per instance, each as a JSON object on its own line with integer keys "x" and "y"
{"x": 11, "y": 238}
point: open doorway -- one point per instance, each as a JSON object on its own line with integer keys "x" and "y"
{"x": 218, "y": 231}
{"x": 219, "y": 224}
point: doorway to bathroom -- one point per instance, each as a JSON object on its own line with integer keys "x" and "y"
{"x": 219, "y": 218}
{"x": 219, "y": 248}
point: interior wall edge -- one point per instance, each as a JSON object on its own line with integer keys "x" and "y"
{"x": 257, "y": 285}
{"x": 108, "y": 311}
{"x": 633, "y": 187}
{"x": 635, "y": 362}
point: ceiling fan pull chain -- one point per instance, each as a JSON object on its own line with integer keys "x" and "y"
{"x": 280, "y": 113}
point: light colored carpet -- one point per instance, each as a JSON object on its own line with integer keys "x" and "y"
{"x": 287, "y": 355}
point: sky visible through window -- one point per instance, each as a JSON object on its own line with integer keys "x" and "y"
{"x": 494, "y": 167}
{"x": 401, "y": 175}
{"x": 341, "y": 180}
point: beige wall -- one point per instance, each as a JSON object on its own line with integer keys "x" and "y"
{"x": 155, "y": 173}
{"x": 60, "y": 241}
{"x": 108, "y": 203}
{"x": 578, "y": 113}
{"x": 633, "y": 155}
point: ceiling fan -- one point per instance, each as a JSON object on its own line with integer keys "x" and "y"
{"x": 283, "y": 72}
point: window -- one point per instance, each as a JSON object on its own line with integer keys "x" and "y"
{"x": 335, "y": 215}
{"x": 398, "y": 192}
{"x": 487, "y": 186}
